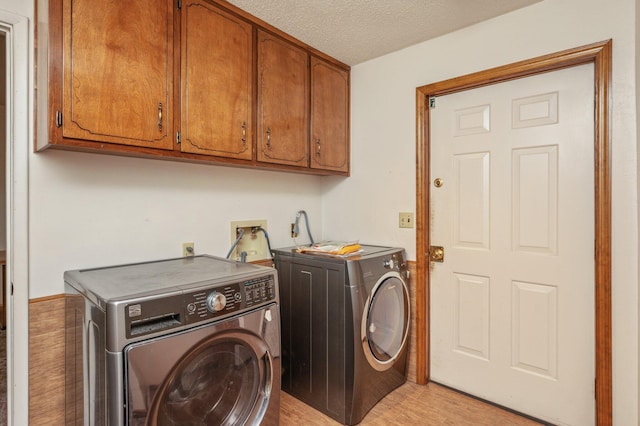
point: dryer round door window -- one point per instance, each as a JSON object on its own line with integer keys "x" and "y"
{"x": 225, "y": 380}
{"x": 385, "y": 324}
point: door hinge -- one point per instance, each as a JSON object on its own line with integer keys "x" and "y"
{"x": 58, "y": 119}
{"x": 432, "y": 102}
{"x": 178, "y": 140}
{"x": 179, "y": 4}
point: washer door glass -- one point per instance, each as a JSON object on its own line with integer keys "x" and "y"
{"x": 387, "y": 322}
{"x": 217, "y": 384}
{"x": 217, "y": 374}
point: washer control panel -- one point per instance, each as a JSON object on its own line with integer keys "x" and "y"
{"x": 229, "y": 298}
{"x": 259, "y": 290}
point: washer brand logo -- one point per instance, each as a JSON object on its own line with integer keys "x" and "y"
{"x": 135, "y": 310}
{"x": 367, "y": 274}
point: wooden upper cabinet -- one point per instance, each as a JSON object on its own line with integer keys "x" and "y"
{"x": 190, "y": 80}
{"x": 283, "y": 99}
{"x": 217, "y": 82}
{"x": 118, "y": 72}
{"x": 329, "y": 117}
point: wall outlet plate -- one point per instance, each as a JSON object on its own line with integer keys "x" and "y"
{"x": 405, "y": 220}
{"x": 188, "y": 249}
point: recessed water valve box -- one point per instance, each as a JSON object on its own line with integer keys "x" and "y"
{"x": 253, "y": 242}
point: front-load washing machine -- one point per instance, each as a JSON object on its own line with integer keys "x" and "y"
{"x": 345, "y": 327}
{"x": 188, "y": 341}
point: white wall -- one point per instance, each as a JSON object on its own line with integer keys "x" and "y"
{"x": 90, "y": 210}
{"x": 383, "y": 141}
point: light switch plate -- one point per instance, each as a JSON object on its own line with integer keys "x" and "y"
{"x": 406, "y": 220}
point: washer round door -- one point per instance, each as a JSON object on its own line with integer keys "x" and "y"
{"x": 220, "y": 382}
{"x": 385, "y": 321}
{"x": 208, "y": 376}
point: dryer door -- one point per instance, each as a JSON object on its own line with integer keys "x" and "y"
{"x": 385, "y": 322}
{"x": 221, "y": 374}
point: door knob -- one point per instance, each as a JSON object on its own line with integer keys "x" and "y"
{"x": 436, "y": 254}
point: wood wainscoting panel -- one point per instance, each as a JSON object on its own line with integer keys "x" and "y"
{"x": 46, "y": 361}
{"x": 411, "y": 361}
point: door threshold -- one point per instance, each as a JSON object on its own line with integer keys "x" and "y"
{"x": 502, "y": 407}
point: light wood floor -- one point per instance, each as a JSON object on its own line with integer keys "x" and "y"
{"x": 410, "y": 404}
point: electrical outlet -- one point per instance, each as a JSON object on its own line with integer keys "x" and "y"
{"x": 188, "y": 249}
{"x": 406, "y": 220}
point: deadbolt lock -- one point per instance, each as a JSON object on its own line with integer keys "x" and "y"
{"x": 438, "y": 182}
{"x": 436, "y": 254}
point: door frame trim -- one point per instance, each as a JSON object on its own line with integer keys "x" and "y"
{"x": 600, "y": 55}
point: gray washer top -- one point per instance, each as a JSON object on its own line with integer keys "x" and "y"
{"x": 169, "y": 276}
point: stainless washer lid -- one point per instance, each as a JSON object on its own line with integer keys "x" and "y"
{"x": 123, "y": 282}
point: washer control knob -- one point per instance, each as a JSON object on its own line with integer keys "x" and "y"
{"x": 388, "y": 263}
{"x": 216, "y": 302}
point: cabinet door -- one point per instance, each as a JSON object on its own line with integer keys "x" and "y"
{"x": 118, "y": 72}
{"x": 217, "y": 82}
{"x": 329, "y": 117}
{"x": 283, "y": 93}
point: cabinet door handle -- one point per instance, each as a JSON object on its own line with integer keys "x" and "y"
{"x": 244, "y": 133}
{"x": 269, "y": 137}
{"x": 318, "y": 147}
{"x": 160, "y": 116}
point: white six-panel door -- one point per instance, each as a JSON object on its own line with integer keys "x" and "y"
{"x": 512, "y": 318}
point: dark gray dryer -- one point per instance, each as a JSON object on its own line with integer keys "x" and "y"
{"x": 345, "y": 324}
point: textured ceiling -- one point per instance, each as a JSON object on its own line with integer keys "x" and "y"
{"x": 354, "y": 31}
